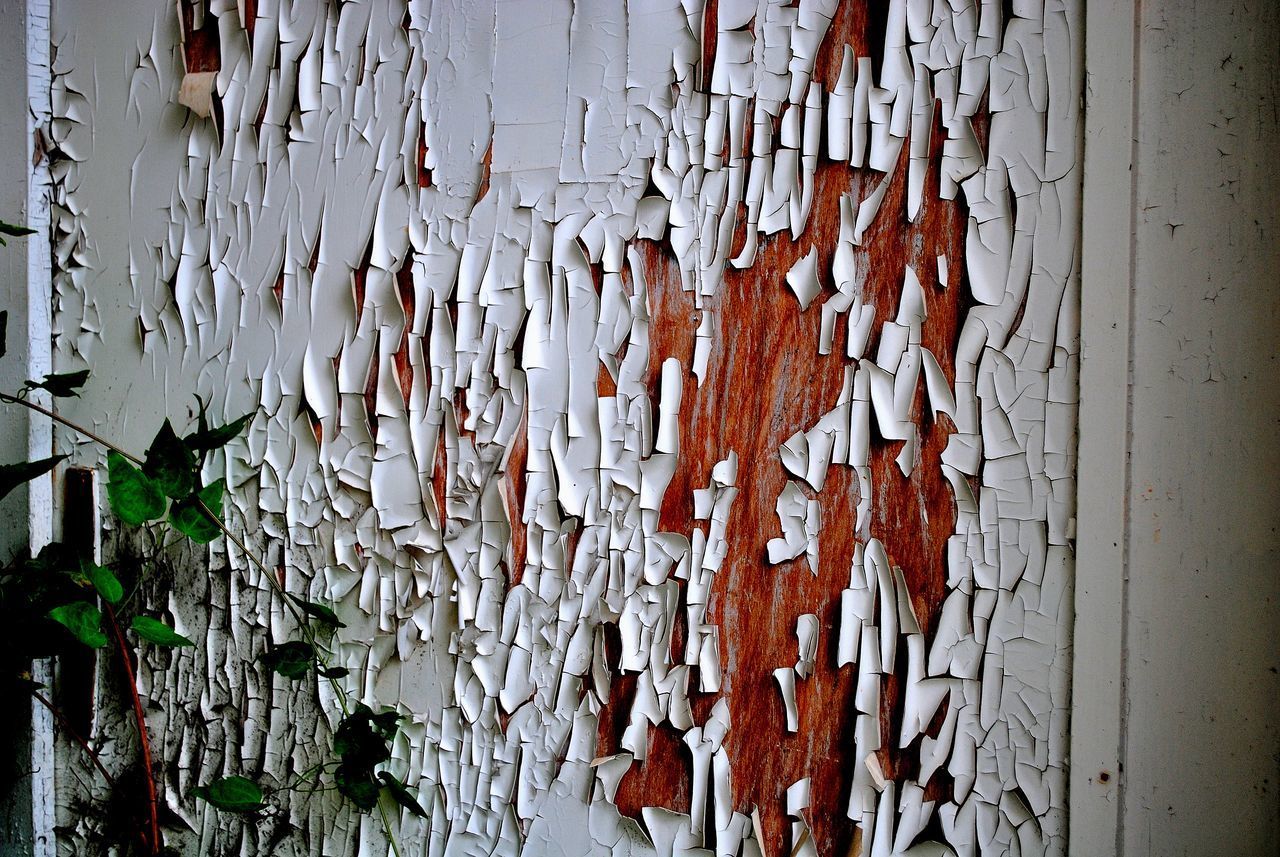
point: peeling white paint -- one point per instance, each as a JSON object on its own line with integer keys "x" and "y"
{"x": 277, "y": 258}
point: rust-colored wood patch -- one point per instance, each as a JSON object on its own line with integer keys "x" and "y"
{"x": 766, "y": 381}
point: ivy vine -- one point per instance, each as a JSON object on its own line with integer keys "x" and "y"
{"x": 59, "y": 598}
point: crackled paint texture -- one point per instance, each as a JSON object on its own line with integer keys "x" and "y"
{"x": 677, "y": 401}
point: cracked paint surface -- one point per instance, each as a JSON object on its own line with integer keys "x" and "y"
{"x": 677, "y": 402}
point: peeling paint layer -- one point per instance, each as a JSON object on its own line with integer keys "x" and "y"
{"x": 678, "y": 404}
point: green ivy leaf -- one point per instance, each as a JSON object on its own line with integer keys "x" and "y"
{"x": 104, "y": 581}
{"x": 188, "y": 517}
{"x": 61, "y": 384}
{"x": 134, "y": 498}
{"x": 401, "y": 794}
{"x": 206, "y": 439}
{"x": 13, "y": 230}
{"x": 387, "y": 723}
{"x": 83, "y": 620}
{"x": 357, "y": 740}
{"x": 334, "y": 672}
{"x": 291, "y": 660}
{"x": 319, "y": 611}
{"x": 170, "y": 464}
{"x": 358, "y": 785}
{"x": 158, "y": 632}
{"x": 232, "y": 794}
{"x": 13, "y": 475}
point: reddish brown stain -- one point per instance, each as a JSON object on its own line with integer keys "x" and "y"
{"x": 250, "y": 17}
{"x": 201, "y": 48}
{"x": 513, "y": 482}
{"x": 486, "y": 166}
{"x": 408, "y": 300}
{"x": 710, "y": 40}
{"x": 765, "y": 382}
{"x": 440, "y": 474}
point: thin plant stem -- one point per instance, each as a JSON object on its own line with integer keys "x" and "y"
{"x": 75, "y": 736}
{"x": 96, "y": 438}
{"x": 386, "y": 826}
{"x": 303, "y": 623}
{"x": 226, "y": 531}
{"x": 140, "y": 717}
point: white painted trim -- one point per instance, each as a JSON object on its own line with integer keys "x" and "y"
{"x": 39, "y": 324}
{"x": 1103, "y": 478}
{"x": 39, "y": 257}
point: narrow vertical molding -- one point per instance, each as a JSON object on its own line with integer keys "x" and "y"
{"x": 1096, "y": 779}
{"x": 39, "y": 252}
{"x": 39, "y": 341}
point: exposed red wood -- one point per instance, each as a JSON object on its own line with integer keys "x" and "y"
{"x": 278, "y": 289}
{"x": 408, "y": 300}
{"x": 765, "y": 382}
{"x": 486, "y": 167}
{"x": 201, "y": 48}
{"x": 371, "y": 389}
{"x": 440, "y": 474}
{"x": 513, "y": 482}
{"x": 710, "y": 40}
{"x": 250, "y": 19}
{"x": 317, "y": 426}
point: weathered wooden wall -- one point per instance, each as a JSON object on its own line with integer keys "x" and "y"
{"x": 506, "y": 283}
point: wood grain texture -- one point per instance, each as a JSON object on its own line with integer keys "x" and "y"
{"x": 766, "y": 381}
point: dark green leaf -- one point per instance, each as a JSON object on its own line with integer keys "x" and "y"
{"x": 14, "y": 230}
{"x": 401, "y": 794}
{"x": 13, "y": 475}
{"x": 158, "y": 632}
{"x": 359, "y": 742}
{"x": 62, "y": 384}
{"x": 104, "y": 581}
{"x": 205, "y": 439}
{"x": 187, "y": 516}
{"x": 232, "y": 794}
{"x": 357, "y": 784}
{"x": 83, "y": 620}
{"x": 170, "y": 464}
{"x": 386, "y": 723}
{"x": 291, "y": 660}
{"x": 334, "y": 672}
{"x": 134, "y": 498}
{"x": 318, "y": 611}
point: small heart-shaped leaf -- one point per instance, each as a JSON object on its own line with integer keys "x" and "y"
{"x": 200, "y": 524}
{"x": 232, "y": 794}
{"x": 291, "y": 660}
{"x": 134, "y": 498}
{"x": 104, "y": 581}
{"x": 158, "y": 632}
{"x": 83, "y": 620}
{"x": 170, "y": 464}
{"x": 319, "y": 612}
{"x": 205, "y": 439}
{"x": 358, "y": 785}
